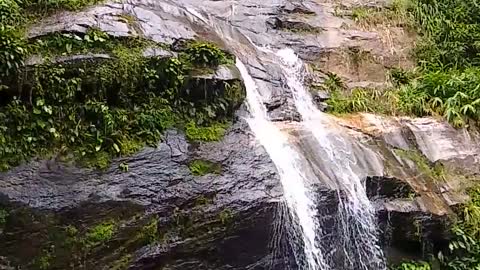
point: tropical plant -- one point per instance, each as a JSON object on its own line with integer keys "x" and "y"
{"x": 413, "y": 266}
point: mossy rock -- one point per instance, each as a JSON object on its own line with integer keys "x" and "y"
{"x": 87, "y": 236}
{"x": 201, "y": 167}
{"x": 111, "y": 99}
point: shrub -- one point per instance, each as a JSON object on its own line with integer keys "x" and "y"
{"x": 206, "y": 54}
{"x": 464, "y": 250}
{"x": 12, "y": 51}
{"x": 413, "y": 266}
{"x": 447, "y": 81}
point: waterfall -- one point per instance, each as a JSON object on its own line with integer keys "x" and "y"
{"x": 352, "y": 243}
{"x": 357, "y": 226}
{"x": 287, "y": 161}
{"x": 355, "y": 236}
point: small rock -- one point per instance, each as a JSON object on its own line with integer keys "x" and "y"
{"x": 275, "y": 103}
{"x": 296, "y": 8}
{"x": 158, "y": 52}
{"x": 321, "y": 95}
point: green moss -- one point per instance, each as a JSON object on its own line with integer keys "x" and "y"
{"x": 226, "y": 216}
{"x": 71, "y": 230}
{"x": 44, "y": 261}
{"x": 122, "y": 264}
{"x": 435, "y": 172}
{"x": 128, "y": 18}
{"x": 149, "y": 233}
{"x": 100, "y": 234}
{"x": 123, "y": 167}
{"x": 203, "y": 200}
{"x": 88, "y": 237}
{"x": 202, "y": 167}
{"x": 3, "y": 216}
{"x": 412, "y": 266}
{"x": 214, "y": 132}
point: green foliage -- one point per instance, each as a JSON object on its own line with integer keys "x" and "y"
{"x": 464, "y": 249}
{"x": 149, "y": 232}
{"x": 226, "y": 216}
{"x": 12, "y": 51}
{"x": 435, "y": 172}
{"x": 122, "y": 263}
{"x": 100, "y": 234}
{"x": 44, "y": 261}
{"x": 451, "y": 33}
{"x": 14, "y": 15}
{"x": 10, "y": 12}
{"x": 412, "y": 266}
{"x": 400, "y": 76}
{"x": 92, "y": 113}
{"x": 111, "y": 109}
{"x": 48, "y": 6}
{"x": 202, "y": 167}
{"x": 206, "y": 54}
{"x": 449, "y": 56}
{"x": 3, "y": 217}
{"x": 334, "y": 82}
{"x": 214, "y": 132}
{"x": 364, "y": 100}
{"x": 448, "y": 53}
{"x": 395, "y": 15}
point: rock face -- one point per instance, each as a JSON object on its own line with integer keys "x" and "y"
{"x": 201, "y": 219}
{"x": 161, "y": 215}
{"x": 428, "y": 167}
{"x": 415, "y": 171}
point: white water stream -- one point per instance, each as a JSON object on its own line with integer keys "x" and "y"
{"x": 359, "y": 238}
{"x": 356, "y": 227}
{"x": 286, "y": 160}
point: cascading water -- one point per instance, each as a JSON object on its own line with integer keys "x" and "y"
{"x": 286, "y": 160}
{"x": 355, "y": 244}
{"x": 357, "y": 224}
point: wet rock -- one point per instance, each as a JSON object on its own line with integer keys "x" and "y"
{"x": 291, "y": 25}
{"x": 321, "y": 95}
{"x": 413, "y": 234}
{"x": 299, "y": 8}
{"x": 223, "y": 72}
{"x": 245, "y": 250}
{"x": 275, "y": 103}
{"x": 319, "y": 98}
{"x": 387, "y": 187}
{"x": 109, "y": 18}
{"x": 281, "y": 115}
{"x": 5, "y": 264}
{"x": 195, "y": 215}
{"x": 274, "y": 23}
{"x": 322, "y": 106}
